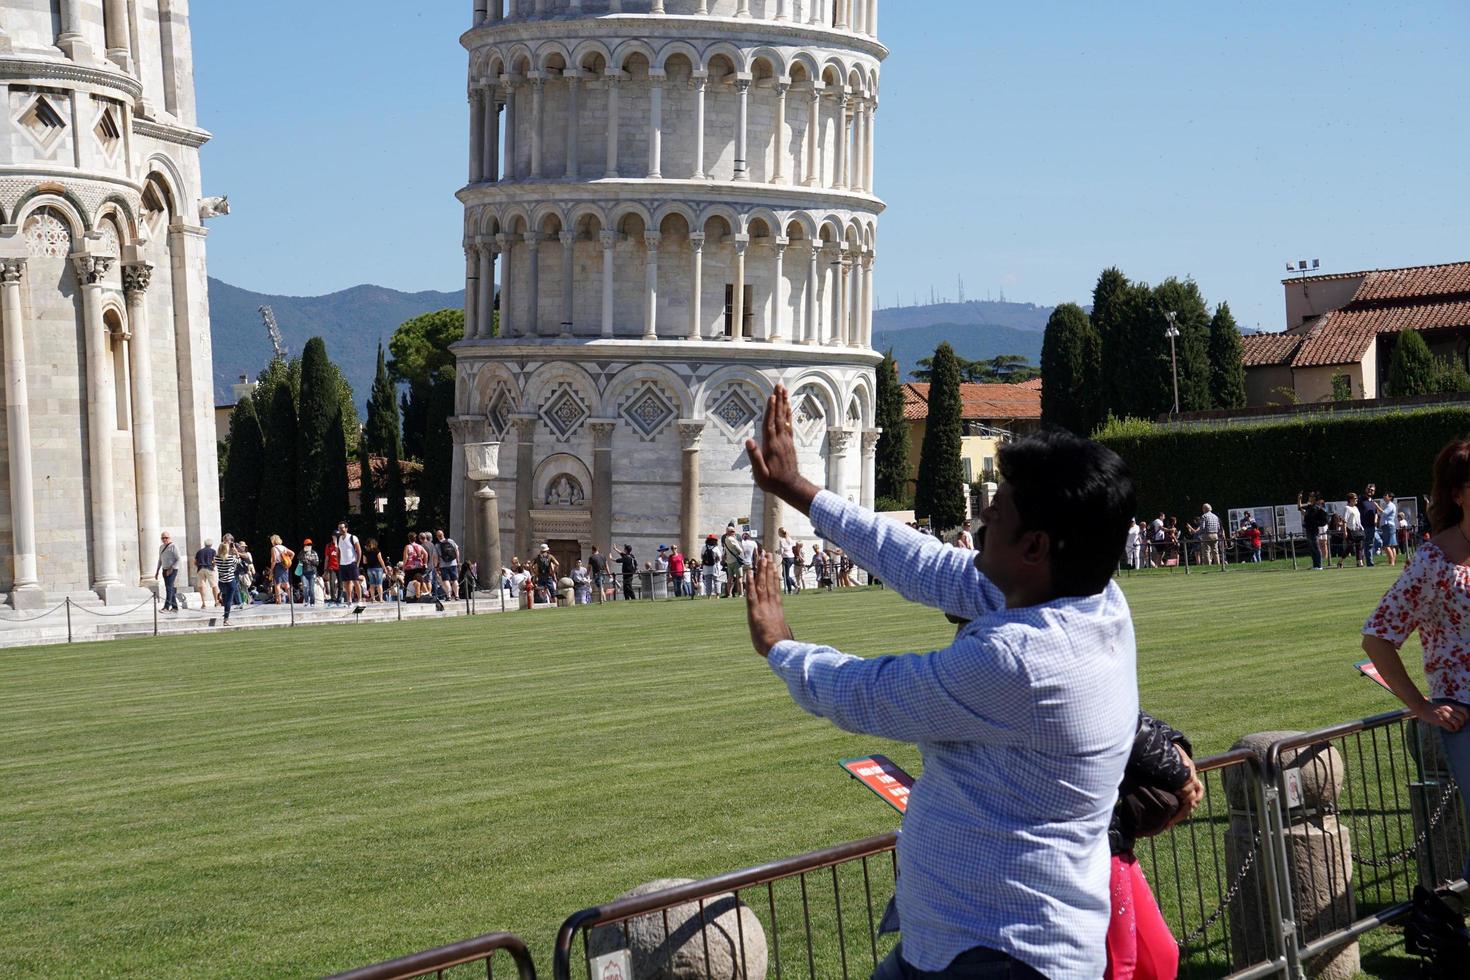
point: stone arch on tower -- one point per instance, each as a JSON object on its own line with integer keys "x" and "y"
{"x": 563, "y": 396}
{"x": 647, "y": 400}
{"x": 816, "y": 406}
{"x": 733, "y": 400}
{"x": 63, "y": 202}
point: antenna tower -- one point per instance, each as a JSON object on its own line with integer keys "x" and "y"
{"x": 269, "y": 316}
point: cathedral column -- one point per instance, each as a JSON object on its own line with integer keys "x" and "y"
{"x": 508, "y": 325}
{"x": 101, "y": 423}
{"x": 742, "y": 165}
{"x": 509, "y": 83}
{"x": 494, "y": 12}
{"x": 782, "y": 11}
{"x": 609, "y": 239}
{"x": 613, "y": 79}
{"x": 532, "y": 326}
{"x": 574, "y": 122}
{"x": 859, "y": 124}
{"x": 656, "y": 124}
{"x": 525, "y": 426}
{"x": 834, "y": 296}
{"x": 136, "y": 278}
{"x": 777, "y": 330}
{"x": 651, "y": 241}
{"x": 868, "y": 148}
{"x": 701, "y": 82}
{"x": 480, "y": 13}
{"x": 811, "y": 334}
{"x": 485, "y": 308}
{"x": 865, "y": 326}
{"x": 742, "y": 8}
{"x": 842, "y": 18}
{"x": 870, "y": 456}
{"x": 815, "y": 7}
{"x": 602, "y": 482}
{"x": 72, "y": 38}
{"x": 837, "y": 440}
{"x": 737, "y": 300}
{"x": 200, "y": 455}
{"x": 477, "y": 136}
{"x": 840, "y": 176}
{"x": 471, "y": 291}
{"x": 813, "y": 132}
{"x": 538, "y": 118}
{"x": 696, "y": 284}
{"x": 778, "y": 175}
{"x": 491, "y": 153}
{"x": 690, "y": 433}
{"x": 26, "y": 592}
{"x": 568, "y": 296}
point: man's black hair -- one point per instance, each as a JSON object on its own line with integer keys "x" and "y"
{"x": 1081, "y": 493}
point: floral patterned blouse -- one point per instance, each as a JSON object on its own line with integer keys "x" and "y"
{"x": 1433, "y": 596}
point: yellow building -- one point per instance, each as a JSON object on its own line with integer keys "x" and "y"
{"x": 992, "y": 414}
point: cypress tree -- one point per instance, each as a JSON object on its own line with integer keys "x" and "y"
{"x": 1227, "y": 369}
{"x": 365, "y": 522}
{"x": 395, "y": 510}
{"x": 941, "y": 487}
{"x": 1413, "y": 369}
{"x": 1192, "y": 317}
{"x": 318, "y": 412}
{"x": 1071, "y": 370}
{"x": 1110, "y": 323}
{"x": 243, "y": 472}
{"x": 1142, "y": 355}
{"x": 331, "y": 507}
{"x": 381, "y": 430}
{"x": 434, "y": 486}
{"x": 891, "y": 467}
{"x": 277, "y": 513}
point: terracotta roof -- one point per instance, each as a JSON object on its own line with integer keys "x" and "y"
{"x": 1413, "y": 280}
{"x": 408, "y": 468}
{"x": 1033, "y": 385}
{"x": 1345, "y": 335}
{"x": 1267, "y": 349}
{"x": 978, "y": 402}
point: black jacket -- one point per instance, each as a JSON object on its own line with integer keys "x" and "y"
{"x": 1154, "y": 763}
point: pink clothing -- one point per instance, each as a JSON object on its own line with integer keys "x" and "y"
{"x": 1433, "y": 596}
{"x": 1140, "y": 945}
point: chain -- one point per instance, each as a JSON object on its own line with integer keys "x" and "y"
{"x": 1398, "y": 857}
{"x": 1230, "y": 893}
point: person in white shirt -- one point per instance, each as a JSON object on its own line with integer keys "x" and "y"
{"x": 1130, "y": 547}
{"x": 747, "y": 552}
{"x": 788, "y": 558}
{"x": 963, "y": 539}
{"x": 1352, "y": 522}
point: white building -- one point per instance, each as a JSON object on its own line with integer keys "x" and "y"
{"x": 109, "y": 429}
{"x": 677, "y": 199}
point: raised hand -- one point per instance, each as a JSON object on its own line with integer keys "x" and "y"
{"x": 773, "y": 461}
{"x": 763, "y": 609}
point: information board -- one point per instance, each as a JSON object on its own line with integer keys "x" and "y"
{"x": 884, "y": 777}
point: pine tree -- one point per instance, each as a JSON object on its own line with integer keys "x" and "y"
{"x": 277, "y": 513}
{"x": 1071, "y": 371}
{"x": 1227, "y": 369}
{"x": 891, "y": 467}
{"x": 318, "y": 412}
{"x": 1413, "y": 369}
{"x": 941, "y": 486}
{"x": 243, "y": 472}
{"x": 1110, "y": 323}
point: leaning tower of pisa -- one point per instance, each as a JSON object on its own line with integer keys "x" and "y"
{"x": 675, "y": 198}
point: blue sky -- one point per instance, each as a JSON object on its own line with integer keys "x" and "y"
{"x": 1023, "y": 146}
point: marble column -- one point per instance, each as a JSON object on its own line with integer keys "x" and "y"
{"x": 742, "y": 8}
{"x": 525, "y": 428}
{"x": 480, "y": 13}
{"x": 837, "y": 440}
{"x": 778, "y": 175}
{"x": 26, "y": 591}
{"x": 463, "y": 429}
{"x": 485, "y": 308}
{"x": 568, "y": 295}
{"x": 838, "y": 300}
{"x": 811, "y": 334}
{"x": 865, "y": 324}
{"x": 194, "y": 371}
{"x": 609, "y": 239}
{"x": 814, "y": 8}
{"x": 538, "y": 120}
{"x": 651, "y": 241}
{"x": 840, "y": 176}
{"x": 118, "y": 34}
{"x": 696, "y": 285}
{"x": 655, "y": 124}
{"x": 471, "y": 290}
{"x": 776, "y": 332}
{"x": 701, "y": 82}
{"x": 136, "y": 278}
{"x": 737, "y": 300}
{"x": 101, "y": 424}
{"x": 491, "y": 154}
{"x": 783, "y": 10}
{"x": 532, "y": 326}
{"x": 509, "y": 326}
{"x": 742, "y": 164}
{"x": 574, "y": 121}
{"x": 842, "y": 17}
{"x": 490, "y": 559}
{"x": 72, "y": 38}
{"x": 859, "y": 123}
{"x": 872, "y": 112}
{"x": 870, "y": 456}
{"x": 477, "y": 136}
{"x": 690, "y": 434}
{"x": 613, "y": 86}
{"x": 813, "y": 134}
{"x": 602, "y": 482}
{"x": 701, "y": 8}
{"x": 657, "y": 7}
{"x": 512, "y": 120}
{"x": 494, "y": 12}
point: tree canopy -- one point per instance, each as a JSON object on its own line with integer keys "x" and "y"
{"x": 1227, "y": 370}
{"x": 243, "y": 474}
{"x": 1071, "y": 371}
{"x": 941, "y": 489}
{"x": 420, "y": 347}
{"x": 891, "y": 466}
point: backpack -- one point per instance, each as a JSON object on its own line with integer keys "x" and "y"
{"x": 448, "y": 552}
{"x": 709, "y": 558}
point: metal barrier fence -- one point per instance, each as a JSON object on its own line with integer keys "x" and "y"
{"x": 436, "y": 962}
{"x": 1300, "y": 846}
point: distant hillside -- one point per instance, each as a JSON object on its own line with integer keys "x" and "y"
{"x": 352, "y": 323}
{"x": 1017, "y": 316}
{"x": 973, "y": 341}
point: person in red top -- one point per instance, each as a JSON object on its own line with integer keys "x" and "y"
{"x": 676, "y": 572}
{"x": 334, "y": 564}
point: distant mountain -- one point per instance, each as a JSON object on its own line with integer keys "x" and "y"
{"x": 974, "y": 341}
{"x": 1017, "y": 316}
{"x": 352, "y": 322}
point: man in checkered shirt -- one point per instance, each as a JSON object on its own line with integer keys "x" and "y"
{"x": 1025, "y": 722}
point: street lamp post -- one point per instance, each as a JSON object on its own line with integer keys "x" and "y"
{"x": 1173, "y": 334}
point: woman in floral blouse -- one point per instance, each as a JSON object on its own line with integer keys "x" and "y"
{"x": 1433, "y": 596}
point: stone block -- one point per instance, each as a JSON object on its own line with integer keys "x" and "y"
{"x": 727, "y": 929}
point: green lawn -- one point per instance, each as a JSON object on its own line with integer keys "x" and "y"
{"x": 296, "y": 802}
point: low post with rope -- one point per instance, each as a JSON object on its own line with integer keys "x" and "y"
{"x": 68, "y": 619}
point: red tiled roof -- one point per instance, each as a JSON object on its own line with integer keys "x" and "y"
{"x": 1267, "y": 349}
{"x": 1415, "y": 283}
{"x": 408, "y": 468}
{"x": 978, "y": 401}
{"x": 1345, "y": 335}
{"x": 1033, "y": 385}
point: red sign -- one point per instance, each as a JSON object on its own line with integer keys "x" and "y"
{"x": 1371, "y": 672}
{"x": 883, "y": 776}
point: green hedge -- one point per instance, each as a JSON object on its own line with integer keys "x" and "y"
{"x": 1256, "y": 465}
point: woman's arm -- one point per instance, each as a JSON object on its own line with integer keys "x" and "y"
{"x": 1385, "y": 656}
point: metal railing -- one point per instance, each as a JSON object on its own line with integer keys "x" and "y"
{"x": 434, "y": 962}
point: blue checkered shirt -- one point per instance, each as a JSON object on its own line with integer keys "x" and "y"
{"x": 1025, "y": 724}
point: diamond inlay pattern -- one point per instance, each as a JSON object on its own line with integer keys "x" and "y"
{"x": 564, "y": 412}
{"x": 499, "y": 414}
{"x": 810, "y": 419}
{"x": 649, "y": 411}
{"x": 735, "y": 410}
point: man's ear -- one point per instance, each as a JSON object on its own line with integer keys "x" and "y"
{"x": 1036, "y": 547}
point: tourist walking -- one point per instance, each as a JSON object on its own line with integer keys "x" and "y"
{"x": 1430, "y": 597}
{"x": 546, "y": 574}
{"x": 1388, "y": 528}
{"x": 350, "y": 565}
{"x": 964, "y": 539}
{"x": 597, "y": 565}
{"x": 677, "y": 568}
{"x": 1352, "y": 521}
{"x": 798, "y": 564}
{"x": 227, "y": 568}
{"x": 748, "y": 549}
{"x": 168, "y": 567}
{"x": 709, "y": 564}
{"x": 374, "y": 568}
{"x": 1314, "y": 526}
{"x": 448, "y": 563}
{"x": 308, "y": 563}
{"x": 244, "y": 574}
{"x": 1026, "y": 721}
{"x": 788, "y": 558}
{"x": 731, "y": 543}
{"x": 1368, "y": 511}
{"x": 628, "y": 564}
{"x": 204, "y": 574}
{"x": 1209, "y": 536}
{"x": 332, "y": 566}
{"x": 415, "y": 564}
{"x": 581, "y": 584}
{"x": 279, "y": 571}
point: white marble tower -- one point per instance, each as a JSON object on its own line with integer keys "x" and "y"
{"x": 108, "y": 414}
{"x": 676, "y": 199}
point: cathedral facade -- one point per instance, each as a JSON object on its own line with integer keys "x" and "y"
{"x": 108, "y": 430}
{"x": 676, "y": 200}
